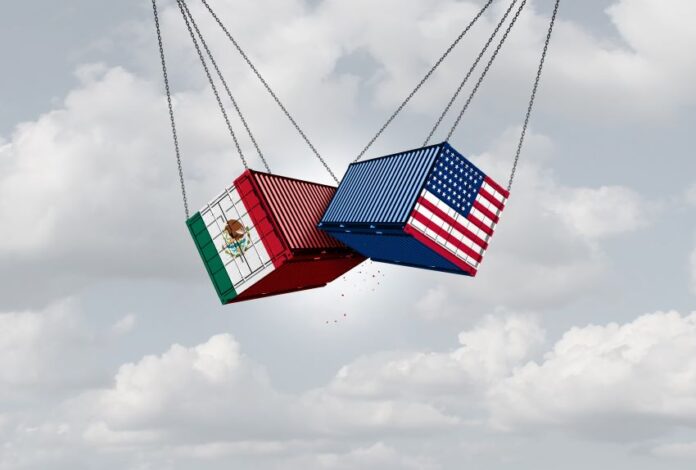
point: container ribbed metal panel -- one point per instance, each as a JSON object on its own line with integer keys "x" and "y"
{"x": 260, "y": 238}
{"x": 296, "y": 206}
{"x": 382, "y": 190}
{"x": 430, "y": 208}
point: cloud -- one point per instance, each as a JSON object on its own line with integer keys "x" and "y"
{"x": 601, "y": 212}
{"x": 45, "y": 351}
{"x": 211, "y": 403}
{"x": 677, "y": 450}
{"x": 124, "y": 325}
{"x": 538, "y": 257}
{"x": 378, "y": 457}
{"x": 487, "y": 353}
{"x": 222, "y": 396}
{"x": 97, "y": 180}
{"x": 609, "y": 382}
{"x": 98, "y": 201}
{"x": 692, "y": 270}
{"x": 690, "y": 195}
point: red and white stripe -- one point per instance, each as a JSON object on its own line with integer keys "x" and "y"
{"x": 461, "y": 240}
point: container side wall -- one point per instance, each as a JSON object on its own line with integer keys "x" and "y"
{"x": 211, "y": 259}
{"x": 398, "y": 249}
{"x": 456, "y": 212}
{"x": 297, "y": 207}
{"x": 238, "y": 241}
{"x": 296, "y": 276}
{"x": 382, "y": 190}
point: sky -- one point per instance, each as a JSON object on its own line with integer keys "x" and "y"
{"x": 574, "y": 347}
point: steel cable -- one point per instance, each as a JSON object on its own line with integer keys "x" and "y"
{"x": 422, "y": 82}
{"x": 171, "y": 108}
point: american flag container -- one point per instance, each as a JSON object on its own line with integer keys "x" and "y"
{"x": 428, "y": 208}
{"x": 260, "y": 238}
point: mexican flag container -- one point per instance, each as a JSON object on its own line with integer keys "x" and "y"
{"x": 260, "y": 238}
{"x": 428, "y": 208}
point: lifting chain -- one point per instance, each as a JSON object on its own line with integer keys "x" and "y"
{"x": 171, "y": 108}
{"x": 469, "y": 73}
{"x": 534, "y": 92}
{"x": 224, "y": 83}
{"x": 269, "y": 90}
{"x": 212, "y": 83}
{"x": 488, "y": 67}
{"x": 425, "y": 79}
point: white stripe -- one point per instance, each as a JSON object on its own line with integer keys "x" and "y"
{"x": 460, "y": 218}
{"x": 487, "y": 204}
{"x": 448, "y": 246}
{"x": 244, "y": 271}
{"x": 483, "y": 218}
{"x": 457, "y": 234}
{"x": 493, "y": 192}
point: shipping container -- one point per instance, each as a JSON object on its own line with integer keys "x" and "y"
{"x": 260, "y": 238}
{"x": 428, "y": 208}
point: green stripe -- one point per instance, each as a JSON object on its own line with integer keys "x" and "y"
{"x": 211, "y": 259}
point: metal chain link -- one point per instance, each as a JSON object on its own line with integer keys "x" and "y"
{"x": 171, "y": 109}
{"x": 225, "y": 85}
{"x": 488, "y": 66}
{"x": 270, "y": 91}
{"x": 469, "y": 73}
{"x": 212, "y": 83}
{"x": 422, "y": 82}
{"x": 534, "y": 93}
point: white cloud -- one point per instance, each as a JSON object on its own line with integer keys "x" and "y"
{"x": 677, "y": 450}
{"x": 124, "y": 325}
{"x": 690, "y": 195}
{"x": 376, "y": 457}
{"x": 435, "y": 304}
{"x": 486, "y": 353}
{"x": 613, "y": 381}
{"x": 692, "y": 270}
{"x": 221, "y": 395}
{"x": 41, "y": 351}
{"x": 96, "y": 176}
{"x": 601, "y": 212}
{"x": 211, "y": 403}
{"x": 535, "y": 259}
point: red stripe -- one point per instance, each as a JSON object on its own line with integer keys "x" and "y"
{"x": 485, "y": 211}
{"x": 451, "y": 221}
{"x": 261, "y": 219}
{"x": 497, "y": 187}
{"x": 447, "y": 236}
{"x": 491, "y": 199}
{"x": 486, "y": 229}
{"x": 461, "y": 264}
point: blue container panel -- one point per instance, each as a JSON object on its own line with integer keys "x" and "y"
{"x": 403, "y": 250}
{"x": 382, "y": 190}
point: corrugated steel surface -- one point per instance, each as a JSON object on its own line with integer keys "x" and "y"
{"x": 274, "y": 247}
{"x": 382, "y": 190}
{"x": 296, "y": 206}
{"x": 403, "y": 250}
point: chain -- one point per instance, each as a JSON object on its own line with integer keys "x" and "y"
{"x": 422, "y": 82}
{"x": 469, "y": 73}
{"x": 225, "y": 85}
{"x": 270, "y": 91}
{"x": 212, "y": 83}
{"x": 171, "y": 109}
{"x": 534, "y": 92}
{"x": 488, "y": 66}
